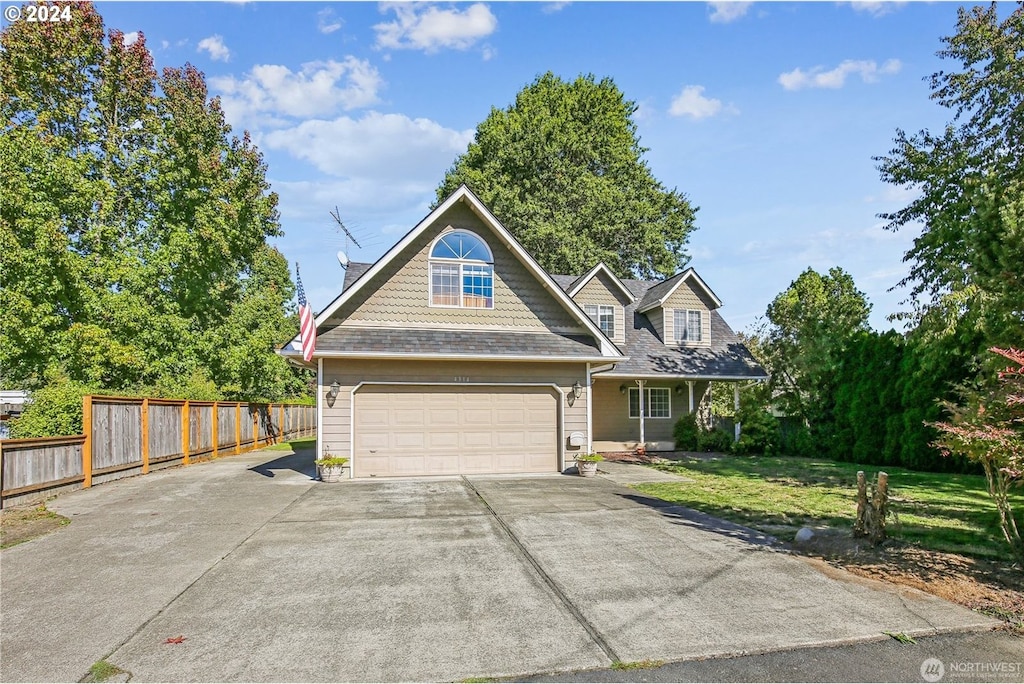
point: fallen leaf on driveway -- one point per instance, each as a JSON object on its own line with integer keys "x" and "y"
{"x": 175, "y": 640}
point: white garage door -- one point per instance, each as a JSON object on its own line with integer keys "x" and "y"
{"x": 423, "y": 430}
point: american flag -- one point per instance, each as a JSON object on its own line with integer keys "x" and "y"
{"x": 307, "y": 327}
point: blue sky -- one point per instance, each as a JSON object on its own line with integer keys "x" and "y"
{"x": 766, "y": 115}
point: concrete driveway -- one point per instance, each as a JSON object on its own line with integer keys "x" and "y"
{"x": 269, "y": 576}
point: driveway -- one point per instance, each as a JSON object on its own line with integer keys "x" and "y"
{"x": 266, "y": 575}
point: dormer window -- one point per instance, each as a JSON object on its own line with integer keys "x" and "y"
{"x": 603, "y": 316}
{"x": 461, "y": 271}
{"x": 688, "y": 326}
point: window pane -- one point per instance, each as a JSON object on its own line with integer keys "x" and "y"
{"x": 591, "y": 312}
{"x": 634, "y": 403}
{"x": 477, "y": 286}
{"x": 444, "y": 285}
{"x": 693, "y": 328}
{"x": 658, "y": 403}
{"x": 607, "y": 320}
{"x": 679, "y": 325}
{"x": 461, "y": 245}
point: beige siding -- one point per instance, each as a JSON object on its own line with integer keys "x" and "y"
{"x": 601, "y": 290}
{"x": 611, "y": 410}
{"x": 400, "y": 294}
{"x": 657, "y": 318}
{"x": 689, "y": 297}
{"x": 336, "y": 425}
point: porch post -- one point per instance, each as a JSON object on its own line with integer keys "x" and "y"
{"x": 643, "y": 442}
{"x": 736, "y": 406}
{"x": 689, "y": 385}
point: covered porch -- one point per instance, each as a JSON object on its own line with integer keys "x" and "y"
{"x": 633, "y": 412}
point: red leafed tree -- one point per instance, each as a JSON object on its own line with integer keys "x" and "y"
{"x": 989, "y": 429}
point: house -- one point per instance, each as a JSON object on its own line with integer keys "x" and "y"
{"x": 456, "y": 353}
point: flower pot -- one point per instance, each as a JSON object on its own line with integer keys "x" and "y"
{"x": 587, "y": 468}
{"x": 334, "y": 473}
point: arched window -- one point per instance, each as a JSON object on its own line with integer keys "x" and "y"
{"x": 461, "y": 271}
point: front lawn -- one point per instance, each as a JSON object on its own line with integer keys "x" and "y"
{"x": 778, "y": 495}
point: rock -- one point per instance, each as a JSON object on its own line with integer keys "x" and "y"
{"x": 804, "y": 534}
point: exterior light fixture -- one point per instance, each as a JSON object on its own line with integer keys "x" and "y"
{"x": 332, "y": 392}
{"x": 577, "y": 389}
{"x": 679, "y": 389}
{"x": 622, "y": 389}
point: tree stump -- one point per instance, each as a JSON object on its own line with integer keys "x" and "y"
{"x": 872, "y": 511}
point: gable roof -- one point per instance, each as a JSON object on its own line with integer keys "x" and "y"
{"x": 726, "y": 358}
{"x": 356, "y": 279}
{"x": 581, "y": 282}
{"x": 657, "y": 295}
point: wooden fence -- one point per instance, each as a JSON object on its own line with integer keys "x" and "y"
{"x": 127, "y": 436}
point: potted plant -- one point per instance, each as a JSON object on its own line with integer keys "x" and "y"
{"x": 586, "y": 464}
{"x": 331, "y": 468}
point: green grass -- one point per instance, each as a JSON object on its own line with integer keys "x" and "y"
{"x": 101, "y": 670}
{"x": 294, "y": 445}
{"x": 945, "y": 512}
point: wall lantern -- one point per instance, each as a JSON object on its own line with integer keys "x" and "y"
{"x": 679, "y": 389}
{"x": 332, "y": 392}
{"x": 577, "y": 389}
{"x": 622, "y": 389}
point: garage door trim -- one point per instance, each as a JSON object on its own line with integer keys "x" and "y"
{"x": 559, "y": 421}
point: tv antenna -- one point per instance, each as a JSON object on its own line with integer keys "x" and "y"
{"x": 343, "y": 254}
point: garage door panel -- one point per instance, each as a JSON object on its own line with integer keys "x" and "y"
{"x": 443, "y": 440}
{"x": 432, "y": 430}
{"x": 413, "y": 417}
{"x": 477, "y": 440}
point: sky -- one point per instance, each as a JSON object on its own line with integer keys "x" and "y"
{"x": 766, "y": 115}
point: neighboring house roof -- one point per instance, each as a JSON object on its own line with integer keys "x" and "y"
{"x": 658, "y": 293}
{"x": 581, "y": 282}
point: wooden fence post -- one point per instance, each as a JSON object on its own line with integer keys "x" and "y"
{"x": 145, "y": 435}
{"x": 186, "y": 431}
{"x": 255, "y": 429}
{"x": 87, "y": 445}
{"x": 238, "y": 427}
{"x": 280, "y": 427}
{"x": 216, "y": 437}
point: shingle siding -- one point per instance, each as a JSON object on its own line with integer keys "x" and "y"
{"x": 400, "y": 293}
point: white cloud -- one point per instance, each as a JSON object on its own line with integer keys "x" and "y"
{"x": 215, "y": 46}
{"x": 327, "y": 22}
{"x": 130, "y": 38}
{"x": 318, "y": 89}
{"x": 725, "y": 12}
{"x": 552, "y": 7}
{"x": 876, "y": 9}
{"x": 691, "y": 102}
{"x": 817, "y": 77}
{"x": 377, "y": 147}
{"x": 429, "y": 28}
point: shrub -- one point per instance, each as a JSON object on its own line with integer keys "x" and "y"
{"x": 52, "y": 411}
{"x": 686, "y": 433}
{"x": 759, "y": 432}
{"x": 715, "y": 440}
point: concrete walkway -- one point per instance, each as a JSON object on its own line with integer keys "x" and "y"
{"x": 245, "y": 569}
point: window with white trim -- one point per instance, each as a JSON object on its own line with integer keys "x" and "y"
{"x": 657, "y": 402}
{"x": 688, "y": 325}
{"x": 461, "y": 271}
{"x": 603, "y": 316}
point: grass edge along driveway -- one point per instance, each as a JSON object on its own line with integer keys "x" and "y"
{"x": 778, "y": 495}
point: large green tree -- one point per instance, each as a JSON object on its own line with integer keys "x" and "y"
{"x": 133, "y": 225}
{"x": 965, "y": 267}
{"x": 809, "y": 328}
{"x": 563, "y": 169}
